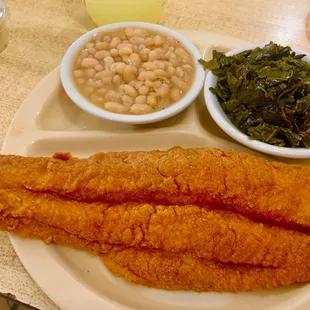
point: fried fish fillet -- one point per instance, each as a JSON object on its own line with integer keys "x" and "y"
{"x": 270, "y": 192}
{"x": 174, "y": 271}
{"x": 209, "y": 234}
{"x": 158, "y": 246}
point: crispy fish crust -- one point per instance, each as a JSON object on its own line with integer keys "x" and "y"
{"x": 209, "y": 234}
{"x": 174, "y": 271}
{"x": 155, "y": 268}
{"x": 270, "y": 192}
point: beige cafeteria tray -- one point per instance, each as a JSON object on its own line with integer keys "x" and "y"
{"x": 48, "y": 122}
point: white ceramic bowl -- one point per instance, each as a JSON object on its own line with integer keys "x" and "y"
{"x": 222, "y": 120}
{"x": 86, "y": 105}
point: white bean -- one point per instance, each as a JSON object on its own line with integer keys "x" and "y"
{"x": 138, "y": 84}
{"x": 143, "y": 90}
{"x": 138, "y": 108}
{"x": 136, "y": 40}
{"x": 117, "y": 79}
{"x": 187, "y": 67}
{"x": 102, "y": 46}
{"x": 156, "y": 84}
{"x": 145, "y": 54}
{"x": 92, "y": 50}
{"x": 152, "y": 56}
{"x": 122, "y": 45}
{"x": 149, "y": 42}
{"x": 135, "y": 49}
{"x": 147, "y": 75}
{"x": 96, "y": 99}
{"x": 166, "y": 80}
{"x": 160, "y": 73}
{"x": 129, "y": 32}
{"x": 89, "y": 62}
{"x": 159, "y": 64}
{"x": 90, "y": 44}
{"x": 125, "y": 59}
{"x": 167, "y": 55}
{"x": 130, "y": 91}
{"x": 181, "y": 52}
{"x": 158, "y": 40}
{"x": 163, "y": 91}
{"x": 97, "y": 37}
{"x": 107, "y": 39}
{"x": 85, "y": 53}
{"x": 108, "y": 61}
{"x": 78, "y": 62}
{"x": 114, "y": 42}
{"x": 132, "y": 83}
{"x": 99, "y": 75}
{"x": 101, "y": 91}
{"x": 172, "y": 56}
{"x": 102, "y": 54}
{"x": 171, "y": 40}
{"x": 178, "y": 82}
{"x": 150, "y": 66}
{"x": 125, "y": 51}
{"x": 129, "y": 73}
{"x": 92, "y": 83}
{"x": 140, "y": 99}
{"x": 78, "y": 73}
{"x": 149, "y": 83}
{"x": 112, "y": 95}
{"x": 135, "y": 60}
{"x": 151, "y": 100}
{"x": 114, "y": 52}
{"x": 107, "y": 76}
{"x": 141, "y": 47}
{"x": 99, "y": 68}
{"x": 175, "y": 94}
{"x": 115, "y": 107}
{"x": 171, "y": 71}
{"x": 127, "y": 100}
{"x": 179, "y": 72}
{"x": 119, "y": 67}
{"x": 140, "y": 32}
{"x": 160, "y": 53}
{"x": 90, "y": 73}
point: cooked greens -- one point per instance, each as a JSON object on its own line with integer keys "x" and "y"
{"x": 265, "y": 93}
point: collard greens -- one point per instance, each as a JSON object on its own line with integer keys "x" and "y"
{"x": 265, "y": 93}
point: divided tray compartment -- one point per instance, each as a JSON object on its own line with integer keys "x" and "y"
{"x": 49, "y": 122}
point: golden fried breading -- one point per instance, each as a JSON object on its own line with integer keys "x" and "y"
{"x": 174, "y": 271}
{"x": 271, "y": 192}
{"x": 210, "y": 234}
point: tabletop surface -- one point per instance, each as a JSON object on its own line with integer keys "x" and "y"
{"x": 42, "y": 30}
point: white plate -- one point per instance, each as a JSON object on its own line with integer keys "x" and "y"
{"x": 47, "y": 122}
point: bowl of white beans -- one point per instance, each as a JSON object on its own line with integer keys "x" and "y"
{"x": 132, "y": 72}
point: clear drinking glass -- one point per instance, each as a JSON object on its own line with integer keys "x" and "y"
{"x": 104, "y": 12}
{"x": 3, "y": 28}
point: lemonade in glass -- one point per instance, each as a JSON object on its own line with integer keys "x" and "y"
{"x": 104, "y": 12}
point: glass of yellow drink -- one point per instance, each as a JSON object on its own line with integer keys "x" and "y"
{"x": 104, "y": 12}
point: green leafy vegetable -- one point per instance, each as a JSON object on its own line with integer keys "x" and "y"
{"x": 265, "y": 93}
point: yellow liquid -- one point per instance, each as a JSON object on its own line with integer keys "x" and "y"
{"x": 104, "y": 12}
